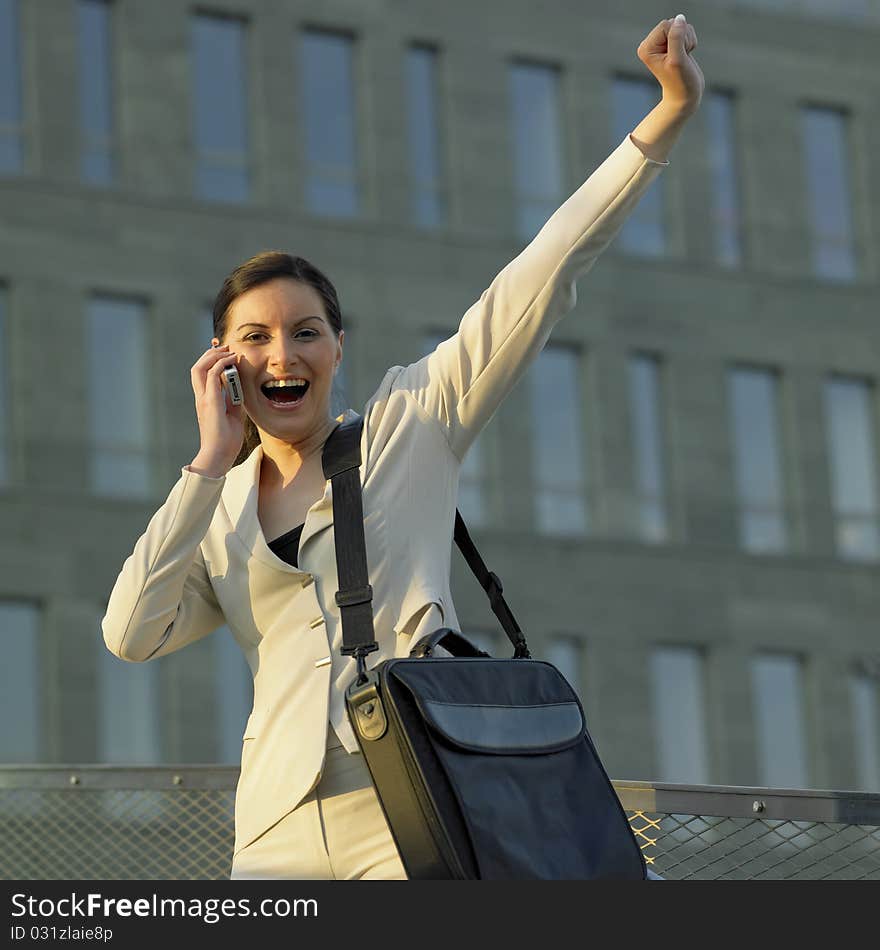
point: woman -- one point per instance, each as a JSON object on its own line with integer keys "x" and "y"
{"x": 245, "y": 537}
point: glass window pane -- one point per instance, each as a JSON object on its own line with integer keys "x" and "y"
{"x": 537, "y": 145}
{"x": 96, "y": 90}
{"x": 853, "y": 460}
{"x": 119, "y": 421}
{"x": 566, "y": 654}
{"x": 220, "y": 108}
{"x": 644, "y": 230}
{"x": 11, "y": 157}
{"x": 827, "y": 174}
{"x": 725, "y": 186}
{"x": 424, "y": 136}
{"x": 327, "y": 103}
{"x": 128, "y": 724}
{"x": 754, "y": 420}
{"x": 235, "y": 694}
{"x": 652, "y": 520}
{"x": 20, "y": 683}
{"x": 557, "y": 444}
{"x": 644, "y": 386}
{"x": 866, "y": 720}
{"x": 779, "y": 719}
{"x": 679, "y": 715}
{"x": 5, "y": 406}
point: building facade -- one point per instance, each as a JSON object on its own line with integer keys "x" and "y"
{"x": 685, "y": 483}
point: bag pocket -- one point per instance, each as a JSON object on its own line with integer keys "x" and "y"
{"x": 504, "y": 730}
{"x": 510, "y": 740}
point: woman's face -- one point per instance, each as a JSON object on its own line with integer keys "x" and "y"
{"x": 282, "y": 332}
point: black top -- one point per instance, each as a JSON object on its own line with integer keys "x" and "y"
{"x": 287, "y": 545}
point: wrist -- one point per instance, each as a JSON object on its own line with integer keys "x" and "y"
{"x": 678, "y": 109}
{"x": 207, "y": 467}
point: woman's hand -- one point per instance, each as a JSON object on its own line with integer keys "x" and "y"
{"x": 221, "y": 425}
{"x": 666, "y": 51}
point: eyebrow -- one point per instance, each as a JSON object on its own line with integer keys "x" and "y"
{"x": 263, "y": 326}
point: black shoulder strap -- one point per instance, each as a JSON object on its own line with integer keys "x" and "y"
{"x": 341, "y": 461}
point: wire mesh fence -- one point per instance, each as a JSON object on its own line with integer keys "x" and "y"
{"x": 159, "y": 823}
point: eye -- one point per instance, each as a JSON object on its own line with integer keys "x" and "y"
{"x": 311, "y": 334}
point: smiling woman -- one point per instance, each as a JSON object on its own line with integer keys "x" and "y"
{"x": 281, "y": 317}
{"x": 305, "y": 804}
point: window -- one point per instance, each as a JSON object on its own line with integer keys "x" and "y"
{"x": 537, "y": 145}
{"x": 428, "y": 204}
{"x": 473, "y": 484}
{"x": 853, "y": 457}
{"x": 128, "y": 724}
{"x": 650, "y": 479}
{"x": 759, "y": 481}
{"x": 235, "y": 694}
{"x": 679, "y": 715}
{"x": 11, "y": 144}
{"x": 558, "y": 457}
{"x": 4, "y": 390}
{"x": 95, "y": 91}
{"x": 644, "y": 231}
{"x": 866, "y": 720}
{"x": 220, "y": 108}
{"x": 725, "y": 186}
{"x": 779, "y": 718}
{"x": 566, "y": 654}
{"x": 827, "y": 167}
{"x": 327, "y": 84}
{"x": 117, "y": 384}
{"x": 20, "y": 682}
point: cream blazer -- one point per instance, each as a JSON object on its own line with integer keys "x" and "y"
{"x": 203, "y": 560}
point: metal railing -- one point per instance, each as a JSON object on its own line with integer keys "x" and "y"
{"x": 95, "y": 822}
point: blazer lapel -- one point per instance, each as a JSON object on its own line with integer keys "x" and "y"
{"x": 240, "y": 497}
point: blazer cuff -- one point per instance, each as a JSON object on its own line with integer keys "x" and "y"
{"x": 186, "y": 470}
{"x": 651, "y": 161}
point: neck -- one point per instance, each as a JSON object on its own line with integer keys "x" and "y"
{"x": 283, "y": 461}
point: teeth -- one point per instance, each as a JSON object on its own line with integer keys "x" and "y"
{"x": 281, "y": 383}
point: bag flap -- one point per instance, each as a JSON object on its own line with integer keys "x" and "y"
{"x": 506, "y": 729}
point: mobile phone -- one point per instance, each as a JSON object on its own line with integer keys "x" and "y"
{"x": 233, "y": 385}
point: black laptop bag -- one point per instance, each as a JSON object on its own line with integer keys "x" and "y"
{"x": 483, "y": 766}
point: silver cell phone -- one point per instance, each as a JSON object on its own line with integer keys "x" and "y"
{"x": 233, "y": 385}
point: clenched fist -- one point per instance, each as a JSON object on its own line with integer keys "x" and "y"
{"x": 667, "y": 52}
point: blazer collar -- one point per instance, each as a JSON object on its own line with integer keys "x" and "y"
{"x": 240, "y": 495}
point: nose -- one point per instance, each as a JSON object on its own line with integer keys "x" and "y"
{"x": 283, "y": 351}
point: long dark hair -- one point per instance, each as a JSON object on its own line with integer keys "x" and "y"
{"x": 258, "y": 270}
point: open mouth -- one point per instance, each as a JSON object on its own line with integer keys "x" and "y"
{"x": 285, "y": 392}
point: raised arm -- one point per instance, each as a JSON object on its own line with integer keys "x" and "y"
{"x": 464, "y": 380}
{"x": 667, "y": 51}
